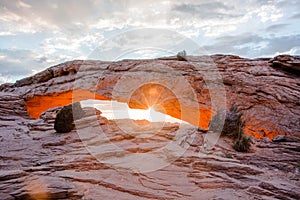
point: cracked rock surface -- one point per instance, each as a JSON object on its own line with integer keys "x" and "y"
{"x": 266, "y": 90}
{"x": 38, "y": 163}
{"x": 98, "y": 159}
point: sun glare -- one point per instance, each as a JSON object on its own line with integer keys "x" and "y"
{"x": 117, "y": 110}
{"x": 150, "y": 114}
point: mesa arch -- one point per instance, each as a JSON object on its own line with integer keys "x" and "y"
{"x": 148, "y": 95}
{"x": 266, "y": 90}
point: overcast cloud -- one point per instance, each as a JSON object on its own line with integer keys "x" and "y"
{"x": 36, "y": 34}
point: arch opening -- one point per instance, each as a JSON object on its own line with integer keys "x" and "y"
{"x": 153, "y": 99}
{"x": 112, "y": 110}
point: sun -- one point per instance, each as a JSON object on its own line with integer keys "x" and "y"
{"x": 151, "y": 115}
{"x": 117, "y": 110}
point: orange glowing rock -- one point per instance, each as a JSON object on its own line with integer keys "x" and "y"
{"x": 143, "y": 98}
{"x": 266, "y": 89}
{"x": 39, "y": 104}
{"x": 262, "y": 129}
{"x": 151, "y": 95}
{"x": 37, "y": 188}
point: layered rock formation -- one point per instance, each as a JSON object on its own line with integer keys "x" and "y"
{"x": 266, "y": 90}
{"x": 38, "y": 163}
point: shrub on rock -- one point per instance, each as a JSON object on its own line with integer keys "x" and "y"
{"x": 242, "y": 144}
{"x": 181, "y": 56}
{"x": 233, "y": 125}
{"x": 233, "y": 128}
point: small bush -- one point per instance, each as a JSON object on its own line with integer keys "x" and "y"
{"x": 243, "y": 144}
{"x": 233, "y": 128}
{"x": 181, "y": 56}
{"x": 233, "y": 125}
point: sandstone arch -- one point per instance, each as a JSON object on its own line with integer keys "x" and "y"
{"x": 264, "y": 92}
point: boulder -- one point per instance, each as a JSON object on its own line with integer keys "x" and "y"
{"x": 64, "y": 121}
{"x": 287, "y": 63}
{"x": 286, "y": 138}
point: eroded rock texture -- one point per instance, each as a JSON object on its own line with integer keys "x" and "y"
{"x": 266, "y": 90}
{"x": 38, "y": 163}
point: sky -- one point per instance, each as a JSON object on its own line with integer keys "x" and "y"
{"x": 37, "y": 34}
{"x": 118, "y": 110}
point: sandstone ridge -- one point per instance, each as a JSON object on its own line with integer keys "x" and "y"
{"x": 39, "y": 163}
{"x": 266, "y": 90}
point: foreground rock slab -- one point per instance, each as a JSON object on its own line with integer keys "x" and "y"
{"x": 38, "y": 163}
{"x": 104, "y": 159}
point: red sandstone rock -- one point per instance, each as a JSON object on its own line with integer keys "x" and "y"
{"x": 267, "y": 95}
{"x": 37, "y": 163}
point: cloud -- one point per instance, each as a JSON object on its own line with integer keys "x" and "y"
{"x": 208, "y": 10}
{"x": 276, "y": 27}
{"x": 282, "y": 44}
{"x": 292, "y": 51}
{"x": 137, "y": 41}
{"x": 16, "y": 63}
{"x": 36, "y": 34}
{"x": 252, "y": 45}
{"x": 269, "y": 13}
{"x": 295, "y": 16}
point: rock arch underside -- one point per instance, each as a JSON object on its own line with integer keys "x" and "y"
{"x": 266, "y": 90}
